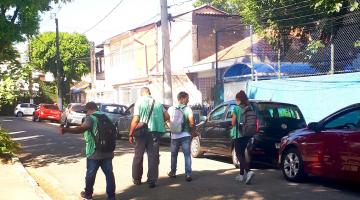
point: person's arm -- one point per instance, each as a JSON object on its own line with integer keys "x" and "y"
{"x": 166, "y": 116}
{"x": 233, "y": 119}
{"x": 134, "y": 122}
{"x": 86, "y": 125}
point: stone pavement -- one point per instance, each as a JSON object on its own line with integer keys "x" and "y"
{"x": 16, "y": 183}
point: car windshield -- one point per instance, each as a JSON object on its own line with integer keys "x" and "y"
{"x": 79, "y": 109}
{"x": 115, "y": 109}
{"x": 280, "y": 117}
{"x": 51, "y": 107}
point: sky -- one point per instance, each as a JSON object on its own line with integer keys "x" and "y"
{"x": 80, "y": 15}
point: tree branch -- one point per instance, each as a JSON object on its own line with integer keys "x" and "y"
{"x": 15, "y": 15}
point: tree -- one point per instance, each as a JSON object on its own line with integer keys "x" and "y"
{"x": 276, "y": 18}
{"x": 74, "y": 55}
{"x": 18, "y": 20}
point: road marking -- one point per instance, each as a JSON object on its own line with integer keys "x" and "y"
{"x": 16, "y": 132}
{"x": 28, "y": 137}
{"x": 7, "y": 120}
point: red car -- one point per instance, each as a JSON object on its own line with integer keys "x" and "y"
{"x": 329, "y": 148}
{"x": 47, "y": 111}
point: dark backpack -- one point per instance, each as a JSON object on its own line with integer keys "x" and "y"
{"x": 105, "y": 138}
{"x": 249, "y": 122}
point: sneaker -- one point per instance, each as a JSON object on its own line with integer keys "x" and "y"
{"x": 85, "y": 196}
{"x": 136, "y": 182}
{"x": 172, "y": 174}
{"x": 240, "y": 177}
{"x": 249, "y": 177}
{"x": 188, "y": 178}
{"x": 152, "y": 184}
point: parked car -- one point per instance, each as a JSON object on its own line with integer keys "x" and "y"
{"x": 113, "y": 111}
{"x": 328, "y": 148}
{"x": 274, "y": 120}
{"x": 124, "y": 121}
{"x": 73, "y": 114}
{"x": 24, "y": 109}
{"x": 47, "y": 112}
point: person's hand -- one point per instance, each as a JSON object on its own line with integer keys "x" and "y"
{"x": 131, "y": 139}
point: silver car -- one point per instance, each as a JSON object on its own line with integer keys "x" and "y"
{"x": 73, "y": 114}
{"x": 113, "y": 111}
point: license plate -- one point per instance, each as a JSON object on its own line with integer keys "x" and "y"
{"x": 277, "y": 145}
{"x": 51, "y": 116}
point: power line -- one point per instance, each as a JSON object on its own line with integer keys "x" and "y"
{"x": 109, "y": 13}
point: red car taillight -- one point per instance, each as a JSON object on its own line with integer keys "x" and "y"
{"x": 257, "y": 126}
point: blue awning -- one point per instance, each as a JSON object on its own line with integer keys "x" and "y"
{"x": 243, "y": 71}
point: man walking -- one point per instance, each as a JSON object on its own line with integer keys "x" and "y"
{"x": 181, "y": 125}
{"x": 146, "y": 109}
{"x": 95, "y": 157}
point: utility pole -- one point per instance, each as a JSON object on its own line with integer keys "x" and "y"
{"x": 31, "y": 93}
{"x": 166, "y": 53}
{"x": 252, "y": 53}
{"x": 58, "y": 66}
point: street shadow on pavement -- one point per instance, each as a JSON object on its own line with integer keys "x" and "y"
{"x": 220, "y": 184}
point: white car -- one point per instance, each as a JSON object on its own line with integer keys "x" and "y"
{"x": 73, "y": 114}
{"x": 24, "y": 109}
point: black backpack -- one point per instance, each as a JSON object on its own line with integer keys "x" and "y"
{"x": 105, "y": 138}
{"x": 249, "y": 120}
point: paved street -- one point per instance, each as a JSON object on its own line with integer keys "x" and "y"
{"x": 57, "y": 163}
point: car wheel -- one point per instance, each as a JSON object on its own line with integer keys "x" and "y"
{"x": 292, "y": 165}
{"x": 34, "y": 119}
{"x": 19, "y": 114}
{"x": 195, "y": 147}
{"x": 235, "y": 160}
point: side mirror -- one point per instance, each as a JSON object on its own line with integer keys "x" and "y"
{"x": 313, "y": 126}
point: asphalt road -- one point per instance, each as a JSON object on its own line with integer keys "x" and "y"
{"x": 57, "y": 163}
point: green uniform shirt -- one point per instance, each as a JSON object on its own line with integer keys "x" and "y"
{"x": 91, "y": 123}
{"x": 235, "y": 133}
{"x": 142, "y": 109}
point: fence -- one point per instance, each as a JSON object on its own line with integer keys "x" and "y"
{"x": 302, "y": 52}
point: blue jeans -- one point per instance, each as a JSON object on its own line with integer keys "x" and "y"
{"x": 91, "y": 168}
{"x": 185, "y": 145}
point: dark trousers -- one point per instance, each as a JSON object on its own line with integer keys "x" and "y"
{"x": 149, "y": 143}
{"x": 240, "y": 147}
{"x": 92, "y": 167}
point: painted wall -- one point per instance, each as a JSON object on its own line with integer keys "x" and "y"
{"x": 316, "y": 96}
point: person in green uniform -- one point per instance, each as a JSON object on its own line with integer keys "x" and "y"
{"x": 240, "y": 141}
{"x": 150, "y": 141}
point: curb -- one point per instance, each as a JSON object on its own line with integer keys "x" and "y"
{"x": 21, "y": 169}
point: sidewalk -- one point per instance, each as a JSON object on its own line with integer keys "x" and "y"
{"x": 16, "y": 183}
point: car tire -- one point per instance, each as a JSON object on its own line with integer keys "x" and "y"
{"x": 19, "y": 114}
{"x": 292, "y": 165}
{"x": 195, "y": 147}
{"x": 34, "y": 119}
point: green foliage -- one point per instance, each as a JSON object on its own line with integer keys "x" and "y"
{"x": 313, "y": 47}
{"x": 224, "y": 5}
{"x": 8, "y": 148}
{"x": 277, "y": 18}
{"x": 47, "y": 92}
{"x": 18, "y": 20}
{"x": 74, "y": 55}
{"x": 357, "y": 44}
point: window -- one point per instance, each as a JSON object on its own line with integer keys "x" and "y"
{"x": 24, "y": 105}
{"x": 230, "y": 111}
{"x": 349, "y": 120}
{"x": 274, "y": 111}
{"x": 113, "y": 109}
{"x": 218, "y": 114}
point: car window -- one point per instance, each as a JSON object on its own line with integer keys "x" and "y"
{"x": 349, "y": 120}
{"x": 24, "y": 105}
{"x": 278, "y": 111}
{"x": 230, "y": 111}
{"x": 218, "y": 113}
{"x": 51, "y": 107}
{"x": 33, "y": 106}
{"x": 115, "y": 109}
{"x": 79, "y": 108}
